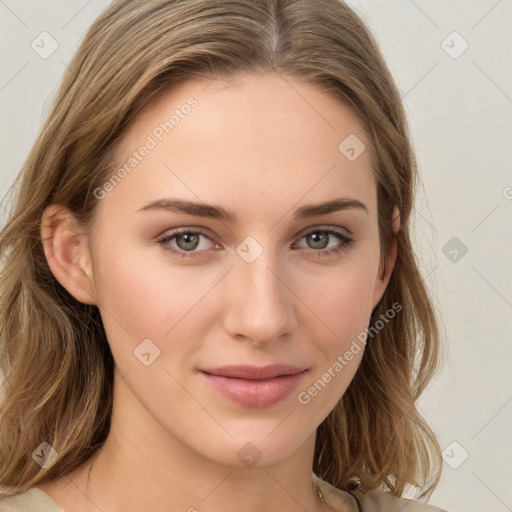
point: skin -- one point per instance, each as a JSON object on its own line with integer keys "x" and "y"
{"x": 260, "y": 146}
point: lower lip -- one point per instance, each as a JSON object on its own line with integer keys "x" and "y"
{"x": 255, "y": 393}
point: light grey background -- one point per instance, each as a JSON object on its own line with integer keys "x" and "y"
{"x": 460, "y": 112}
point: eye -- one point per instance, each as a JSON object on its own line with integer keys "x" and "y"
{"x": 327, "y": 241}
{"x": 192, "y": 242}
{"x": 186, "y": 242}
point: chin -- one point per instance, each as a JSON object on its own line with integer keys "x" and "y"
{"x": 255, "y": 447}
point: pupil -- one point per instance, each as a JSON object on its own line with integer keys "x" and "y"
{"x": 319, "y": 240}
{"x": 191, "y": 241}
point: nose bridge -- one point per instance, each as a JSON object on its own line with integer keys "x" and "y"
{"x": 259, "y": 277}
{"x": 261, "y": 307}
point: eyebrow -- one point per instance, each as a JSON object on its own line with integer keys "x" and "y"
{"x": 219, "y": 213}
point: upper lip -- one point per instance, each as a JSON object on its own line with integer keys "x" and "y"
{"x": 255, "y": 372}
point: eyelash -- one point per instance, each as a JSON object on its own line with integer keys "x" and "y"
{"x": 340, "y": 235}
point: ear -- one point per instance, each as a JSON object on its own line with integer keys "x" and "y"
{"x": 385, "y": 273}
{"x": 66, "y": 249}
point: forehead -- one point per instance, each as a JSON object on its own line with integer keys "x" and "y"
{"x": 260, "y": 136}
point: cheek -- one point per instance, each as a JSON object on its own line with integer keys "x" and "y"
{"x": 142, "y": 297}
{"x": 343, "y": 303}
{"x": 342, "y": 300}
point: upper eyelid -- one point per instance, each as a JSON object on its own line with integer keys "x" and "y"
{"x": 327, "y": 228}
{"x": 203, "y": 232}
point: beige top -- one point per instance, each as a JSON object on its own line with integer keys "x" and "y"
{"x": 35, "y": 500}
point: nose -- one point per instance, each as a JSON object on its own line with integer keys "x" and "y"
{"x": 260, "y": 304}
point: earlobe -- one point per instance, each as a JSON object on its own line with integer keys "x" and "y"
{"x": 384, "y": 274}
{"x": 395, "y": 221}
{"x": 67, "y": 252}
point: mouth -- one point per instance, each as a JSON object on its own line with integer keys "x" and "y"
{"x": 255, "y": 387}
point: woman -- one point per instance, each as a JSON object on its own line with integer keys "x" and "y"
{"x": 209, "y": 298}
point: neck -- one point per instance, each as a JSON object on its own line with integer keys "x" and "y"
{"x": 115, "y": 486}
{"x": 142, "y": 466}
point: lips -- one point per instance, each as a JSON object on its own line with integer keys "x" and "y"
{"x": 252, "y": 386}
{"x": 255, "y": 372}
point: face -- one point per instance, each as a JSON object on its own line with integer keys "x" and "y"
{"x": 209, "y": 251}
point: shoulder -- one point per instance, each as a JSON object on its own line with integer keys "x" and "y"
{"x": 33, "y": 500}
{"x": 372, "y": 501}
{"x": 380, "y": 501}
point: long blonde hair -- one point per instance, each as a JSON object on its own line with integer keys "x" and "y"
{"x": 58, "y": 370}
